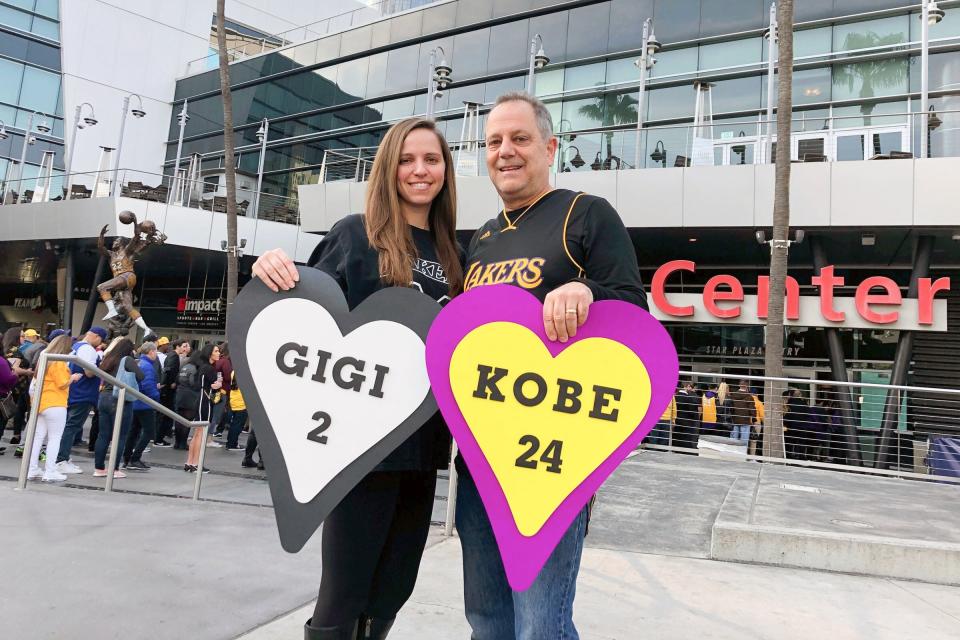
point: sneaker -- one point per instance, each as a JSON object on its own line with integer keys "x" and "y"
{"x": 68, "y": 467}
{"x": 163, "y": 444}
{"x": 53, "y": 476}
{"x": 43, "y": 456}
{"x": 34, "y": 474}
{"x": 237, "y": 448}
{"x": 260, "y": 465}
{"x": 206, "y": 470}
{"x": 146, "y": 449}
{"x": 215, "y": 445}
{"x": 14, "y": 439}
{"x": 189, "y": 468}
{"x": 99, "y": 473}
{"x": 248, "y": 463}
{"x": 137, "y": 465}
{"x": 118, "y": 474}
{"x": 18, "y": 452}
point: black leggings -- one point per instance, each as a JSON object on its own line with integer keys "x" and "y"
{"x": 372, "y": 545}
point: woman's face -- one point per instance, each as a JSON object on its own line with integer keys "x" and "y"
{"x": 420, "y": 171}
{"x": 215, "y": 355}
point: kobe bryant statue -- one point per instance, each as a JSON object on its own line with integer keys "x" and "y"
{"x": 117, "y": 292}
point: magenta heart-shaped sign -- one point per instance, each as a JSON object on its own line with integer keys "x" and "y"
{"x": 541, "y": 424}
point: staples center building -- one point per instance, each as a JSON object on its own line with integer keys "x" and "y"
{"x": 695, "y": 188}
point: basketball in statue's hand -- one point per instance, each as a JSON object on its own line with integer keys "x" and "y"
{"x": 127, "y": 217}
{"x": 148, "y": 227}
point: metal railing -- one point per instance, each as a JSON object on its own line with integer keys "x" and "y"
{"x": 855, "y": 427}
{"x": 723, "y": 141}
{"x": 153, "y": 187}
{"x": 124, "y": 389}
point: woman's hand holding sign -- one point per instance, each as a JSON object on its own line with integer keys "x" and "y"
{"x": 277, "y": 270}
{"x": 565, "y": 309}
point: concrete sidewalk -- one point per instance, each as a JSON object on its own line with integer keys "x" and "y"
{"x": 629, "y": 596}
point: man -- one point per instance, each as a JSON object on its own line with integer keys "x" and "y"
{"x": 688, "y": 416}
{"x": 144, "y": 416}
{"x": 569, "y": 250}
{"x": 224, "y": 367}
{"x": 24, "y": 372}
{"x": 168, "y": 389}
{"x": 744, "y": 413}
{"x": 163, "y": 346}
{"x": 82, "y": 397}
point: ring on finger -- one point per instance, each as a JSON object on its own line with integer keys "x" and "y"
{"x": 571, "y": 311}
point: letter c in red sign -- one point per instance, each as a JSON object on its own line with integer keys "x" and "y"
{"x": 657, "y": 287}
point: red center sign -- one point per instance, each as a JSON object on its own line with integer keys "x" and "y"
{"x": 878, "y": 302}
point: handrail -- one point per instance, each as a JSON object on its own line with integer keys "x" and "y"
{"x": 203, "y": 425}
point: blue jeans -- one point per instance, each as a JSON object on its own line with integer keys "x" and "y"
{"x": 76, "y": 415}
{"x": 494, "y": 611}
{"x": 108, "y": 411}
{"x": 741, "y": 432}
{"x": 660, "y": 434}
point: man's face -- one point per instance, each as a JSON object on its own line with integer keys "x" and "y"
{"x": 163, "y": 348}
{"x": 93, "y": 340}
{"x": 152, "y": 354}
{"x": 518, "y": 158}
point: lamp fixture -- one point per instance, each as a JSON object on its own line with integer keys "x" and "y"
{"x": 868, "y": 239}
{"x": 659, "y": 154}
{"x": 577, "y": 160}
{"x": 934, "y": 13}
{"x": 43, "y": 127}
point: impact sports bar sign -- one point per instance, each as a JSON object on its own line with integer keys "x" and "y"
{"x": 877, "y": 303}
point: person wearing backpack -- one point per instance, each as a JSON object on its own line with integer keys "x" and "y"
{"x": 82, "y": 398}
{"x": 143, "y": 414}
{"x": 186, "y": 398}
{"x": 118, "y": 362}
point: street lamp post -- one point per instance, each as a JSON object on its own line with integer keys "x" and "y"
{"x": 538, "y": 60}
{"x": 90, "y": 120}
{"x": 262, "y": 134}
{"x": 182, "y": 119}
{"x": 28, "y": 139}
{"x": 441, "y": 75}
{"x": 137, "y": 113}
{"x": 771, "y": 36}
{"x": 930, "y": 14}
{"x": 649, "y": 46}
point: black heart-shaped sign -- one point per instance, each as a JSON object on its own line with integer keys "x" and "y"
{"x": 331, "y": 392}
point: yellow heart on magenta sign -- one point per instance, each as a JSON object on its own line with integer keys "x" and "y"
{"x": 545, "y": 423}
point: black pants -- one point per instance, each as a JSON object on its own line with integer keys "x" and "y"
{"x": 94, "y": 428}
{"x": 685, "y": 434}
{"x": 372, "y": 545}
{"x": 144, "y": 427}
{"x": 165, "y": 424}
{"x": 180, "y": 432}
{"x": 251, "y": 446}
{"x": 20, "y": 417}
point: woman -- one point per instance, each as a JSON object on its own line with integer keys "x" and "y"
{"x": 374, "y": 539}
{"x": 118, "y": 354}
{"x": 204, "y": 385}
{"x": 52, "y": 412}
{"x": 144, "y": 416}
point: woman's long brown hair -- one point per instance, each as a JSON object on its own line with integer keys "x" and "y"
{"x": 387, "y": 229}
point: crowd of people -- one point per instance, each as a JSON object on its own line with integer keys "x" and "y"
{"x": 199, "y": 385}
{"x": 811, "y": 431}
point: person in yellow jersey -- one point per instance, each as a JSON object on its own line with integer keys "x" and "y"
{"x": 238, "y": 414}
{"x": 51, "y": 411}
{"x": 756, "y": 442}
{"x": 708, "y": 412}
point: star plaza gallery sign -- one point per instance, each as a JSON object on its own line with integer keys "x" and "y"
{"x": 878, "y": 302}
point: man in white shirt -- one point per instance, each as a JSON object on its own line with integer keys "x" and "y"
{"x": 83, "y": 396}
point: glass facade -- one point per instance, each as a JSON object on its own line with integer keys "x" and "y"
{"x": 854, "y": 68}
{"x": 30, "y": 84}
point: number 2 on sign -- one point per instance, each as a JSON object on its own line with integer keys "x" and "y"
{"x": 324, "y": 418}
{"x": 550, "y": 456}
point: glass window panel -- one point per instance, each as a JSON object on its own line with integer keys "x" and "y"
{"x": 406, "y": 27}
{"x": 377, "y": 75}
{"x": 16, "y": 19}
{"x": 670, "y": 102}
{"x": 42, "y": 54}
{"x": 49, "y": 8}
{"x": 740, "y": 94}
{"x": 582, "y": 114}
{"x": 809, "y": 42}
{"x": 304, "y": 54}
{"x": 618, "y": 108}
{"x": 849, "y": 7}
{"x": 46, "y": 28}
{"x": 352, "y": 78}
{"x": 813, "y": 10}
{"x": 944, "y": 72}
{"x": 509, "y": 49}
{"x": 674, "y": 142}
{"x": 585, "y": 25}
{"x": 8, "y": 115}
{"x": 884, "y": 143}
{"x": 40, "y": 90}
{"x": 440, "y": 104}
{"x": 550, "y": 82}
{"x": 13, "y": 46}
{"x": 949, "y": 27}
{"x": 439, "y": 18}
{"x": 622, "y": 70}
{"x": 718, "y": 155}
{"x": 867, "y": 115}
{"x": 872, "y": 33}
{"x": 11, "y": 76}
{"x": 473, "y": 12}
{"x": 676, "y": 62}
{"x": 585, "y": 151}
{"x": 720, "y": 17}
{"x": 328, "y": 48}
{"x": 553, "y": 28}
{"x": 399, "y": 108}
{"x": 402, "y": 69}
{"x": 810, "y": 147}
{"x": 498, "y": 87}
{"x": 730, "y": 54}
{"x": 626, "y": 23}
{"x": 23, "y": 4}
{"x": 676, "y": 20}
{"x": 380, "y": 34}
{"x": 584, "y": 76}
{"x": 469, "y": 57}
{"x": 510, "y": 7}
{"x": 850, "y": 147}
{"x": 469, "y": 93}
{"x": 866, "y": 80}
{"x": 810, "y": 120}
{"x": 810, "y": 86}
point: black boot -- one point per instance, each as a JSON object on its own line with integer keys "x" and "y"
{"x": 343, "y": 632}
{"x": 373, "y": 628}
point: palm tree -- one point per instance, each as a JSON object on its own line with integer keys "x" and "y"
{"x": 611, "y": 109}
{"x": 228, "y": 159}
{"x": 872, "y": 74}
{"x": 779, "y": 246}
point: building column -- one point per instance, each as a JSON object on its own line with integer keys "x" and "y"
{"x": 901, "y": 361}
{"x": 838, "y": 369}
{"x": 66, "y": 321}
{"x": 94, "y": 296}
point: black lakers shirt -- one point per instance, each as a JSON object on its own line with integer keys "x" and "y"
{"x": 564, "y": 237}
